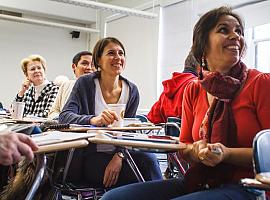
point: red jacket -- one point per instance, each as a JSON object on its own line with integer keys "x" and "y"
{"x": 170, "y": 101}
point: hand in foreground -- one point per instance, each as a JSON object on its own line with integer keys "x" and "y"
{"x": 213, "y": 154}
{"x": 112, "y": 171}
{"x": 15, "y": 145}
{"x": 106, "y": 118}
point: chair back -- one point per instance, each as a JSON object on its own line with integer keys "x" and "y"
{"x": 172, "y": 126}
{"x": 141, "y": 117}
{"x": 261, "y": 148}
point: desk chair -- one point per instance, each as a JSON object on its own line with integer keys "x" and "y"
{"x": 141, "y": 117}
{"x": 261, "y": 145}
{"x": 29, "y": 177}
{"x": 261, "y": 161}
{"x": 176, "y": 166}
{"x": 63, "y": 188}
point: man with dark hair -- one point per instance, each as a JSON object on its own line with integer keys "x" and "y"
{"x": 170, "y": 101}
{"x": 81, "y": 64}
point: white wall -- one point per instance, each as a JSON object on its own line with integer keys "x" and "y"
{"x": 175, "y": 38}
{"x": 20, "y": 40}
{"x": 140, "y": 38}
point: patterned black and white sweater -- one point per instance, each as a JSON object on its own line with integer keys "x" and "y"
{"x": 42, "y": 105}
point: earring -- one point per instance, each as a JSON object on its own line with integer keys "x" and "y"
{"x": 203, "y": 65}
{"x": 203, "y": 62}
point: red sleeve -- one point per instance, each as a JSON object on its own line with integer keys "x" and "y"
{"x": 155, "y": 114}
{"x": 187, "y": 115}
{"x": 261, "y": 99}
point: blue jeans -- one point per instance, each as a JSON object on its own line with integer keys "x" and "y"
{"x": 174, "y": 189}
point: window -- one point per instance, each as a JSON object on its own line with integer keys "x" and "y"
{"x": 262, "y": 47}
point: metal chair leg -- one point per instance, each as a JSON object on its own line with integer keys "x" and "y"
{"x": 132, "y": 165}
{"x": 70, "y": 156}
{"x": 42, "y": 163}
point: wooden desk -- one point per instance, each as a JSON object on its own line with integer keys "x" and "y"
{"x": 24, "y": 120}
{"x": 263, "y": 177}
{"x": 58, "y": 141}
{"x": 161, "y": 147}
{"x": 62, "y": 146}
{"x": 127, "y": 128}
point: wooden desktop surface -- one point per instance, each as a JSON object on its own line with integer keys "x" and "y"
{"x": 103, "y": 139}
{"x": 62, "y": 146}
{"x": 57, "y": 141}
{"x": 263, "y": 177}
{"x": 126, "y": 128}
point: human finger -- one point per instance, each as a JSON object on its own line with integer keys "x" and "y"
{"x": 27, "y": 140}
{"x": 107, "y": 117}
{"x": 25, "y": 149}
{"x": 208, "y": 158}
{"x": 108, "y": 178}
{"x": 114, "y": 114}
{"x": 16, "y": 156}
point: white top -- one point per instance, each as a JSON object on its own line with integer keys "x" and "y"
{"x": 61, "y": 99}
{"x": 101, "y": 105}
{"x": 39, "y": 88}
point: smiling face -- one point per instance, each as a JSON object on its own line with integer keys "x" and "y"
{"x": 112, "y": 60}
{"x": 84, "y": 66}
{"x": 225, "y": 46}
{"x": 35, "y": 72}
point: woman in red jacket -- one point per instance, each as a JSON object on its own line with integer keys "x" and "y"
{"x": 170, "y": 101}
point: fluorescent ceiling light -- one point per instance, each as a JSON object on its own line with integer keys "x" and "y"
{"x": 109, "y": 7}
{"x": 47, "y": 23}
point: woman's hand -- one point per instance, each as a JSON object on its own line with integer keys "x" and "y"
{"x": 190, "y": 154}
{"x": 25, "y": 86}
{"x": 112, "y": 171}
{"x": 106, "y": 118}
{"x": 213, "y": 154}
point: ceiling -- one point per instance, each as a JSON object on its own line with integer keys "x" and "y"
{"x": 72, "y": 14}
{"x": 61, "y": 11}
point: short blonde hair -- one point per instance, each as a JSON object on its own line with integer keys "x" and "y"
{"x": 32, "y": 58}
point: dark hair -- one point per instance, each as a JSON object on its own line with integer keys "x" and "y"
{"x": 78, "y": 56}
{"x": 99, "y": 48}
{"x": 205, "y": 24}
{"x": 191, "y": 62}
